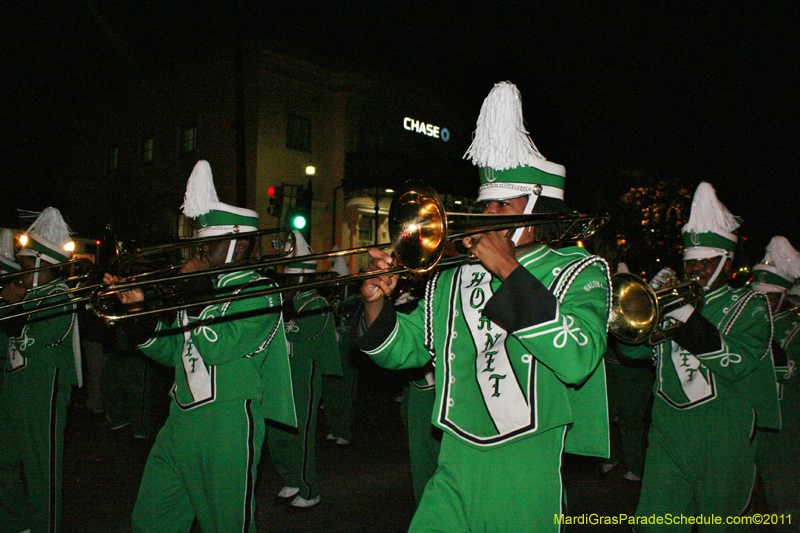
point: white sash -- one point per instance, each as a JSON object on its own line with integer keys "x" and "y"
{"x": 196, "y": 371}
{"x": 502, "y": 394}
{"x": 687, "y": 367}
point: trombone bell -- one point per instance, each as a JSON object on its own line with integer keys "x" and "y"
{"x": 638, "y": 313}
{"x": 418, "y": 228}
{"x": 634, "y": 309}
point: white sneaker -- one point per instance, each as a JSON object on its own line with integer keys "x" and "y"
{"x": 288, "y": 491}
{"x": 630, "y": 476}
{"x": 299, "y": 501}
{"x": 330, "y": 437}
{"x": 341, "y": 442}
{"x": 605, "y": 468}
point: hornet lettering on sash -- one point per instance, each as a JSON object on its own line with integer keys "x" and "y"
{"x": 496, "y": 385}
{"x": 489, "y": 360}
{"x": 477, "y": 278}
{"x": 505, "y": 399}
{"x": 490, "y": 341}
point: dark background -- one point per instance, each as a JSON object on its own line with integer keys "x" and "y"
{"x": 620, "y": 93}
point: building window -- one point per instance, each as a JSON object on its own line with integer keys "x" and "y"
{"x": 298, "y": 133}
{"x": 188, "y": 139}
{"x": 112, "y": 159}
{"x": 366, "y": 230}
{"x": 148, "y": 145}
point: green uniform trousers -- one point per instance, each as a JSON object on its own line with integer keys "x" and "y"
{"x": 473, "y": 489}
{"x": 292, "y": 449}
{"x": 203, "y": 464}
{"x": 630, "y": 387}
{"x": 339, "y": 392}
{"x": 700, "y": 461}
{"x": 424, "y": 439}
{"x": 32, "y": 419}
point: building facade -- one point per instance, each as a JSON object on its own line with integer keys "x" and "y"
{"x": 265, "y": 120}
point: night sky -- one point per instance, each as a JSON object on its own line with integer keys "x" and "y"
{"x": 704, "y": 91}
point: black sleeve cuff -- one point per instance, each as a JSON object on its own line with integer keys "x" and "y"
{"x": 520, "y": 302}
{"x": 139, "y": 330}
{"x": 369, "y": 338}
{"x": 13, "y": 327}
{"x": 779, "y": 356}
{"x": 698, "y": 336}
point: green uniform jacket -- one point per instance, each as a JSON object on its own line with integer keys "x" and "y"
{"x": 231, "y": 351}
{"x": 312, "y": 332}
{"x": 787, "y": 335}
{"x": 46, "y": 339}
{"x": 720, "y": 353}
{"x": 513, "y": 359}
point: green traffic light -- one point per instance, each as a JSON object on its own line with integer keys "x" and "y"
{"x": 299, "y": 221}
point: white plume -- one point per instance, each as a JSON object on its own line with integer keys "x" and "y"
{"x": 501, "y": 140}
{"x": 781, "y": 255}
{"x": 200, "y": 191}
{"x": 51, "y": 226}
{"x": 708, "y": 214}
{"x": 7, "y": 244}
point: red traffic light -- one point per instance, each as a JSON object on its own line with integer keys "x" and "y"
{"x": 271, "y": 191}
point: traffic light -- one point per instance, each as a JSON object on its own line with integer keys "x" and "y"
{"x": 275, "y": 201}
{"x": 299, "y": 215}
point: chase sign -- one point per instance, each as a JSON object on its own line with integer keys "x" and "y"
{"x": 426, "y": 129}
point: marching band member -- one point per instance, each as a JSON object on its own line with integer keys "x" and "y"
{"x": 231, "y": 372}
{"x": 313, "y": 352}
{"x": 778, "y": 451}
{"x": 714, "y": 384}
{"x": 517, "y": 342}
{"x": 43, "y": 364}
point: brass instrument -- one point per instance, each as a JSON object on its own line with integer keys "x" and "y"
{"x": 80, "y": 273}
{"x": 83, "y": 287}
{"x": 638, "y": 313}
{"x": 419, "y": 228}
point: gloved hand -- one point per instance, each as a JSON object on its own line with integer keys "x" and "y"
{"x": 681, "y": 314}
{"x": 665, "y": 277}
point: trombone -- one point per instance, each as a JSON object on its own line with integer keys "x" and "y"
{"x": 638, "y": 313}
{"x": 77, "y": 293}
{"x": 419, "y": 229}
{"x": 80, "y": 292}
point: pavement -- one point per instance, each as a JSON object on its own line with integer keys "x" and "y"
{"x": 365, "y": 486}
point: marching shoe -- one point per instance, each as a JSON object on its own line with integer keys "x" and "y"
{"x": 630, "y": 476}
{"x": 301, "y": 505}
{"x": 286, "y": 495}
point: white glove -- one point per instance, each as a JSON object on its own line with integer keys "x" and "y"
{"x": 681, "y": 314}
{"x": 666, "y": 276}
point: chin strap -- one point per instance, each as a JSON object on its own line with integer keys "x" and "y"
{"x": 231, "y": 247}
{"x": 532, "y": 198}
{"x": 780, "y": 301}
{"x": 37, "y": 264}
{"x": 713, "y": 277}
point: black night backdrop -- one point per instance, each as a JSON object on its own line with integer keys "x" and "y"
{"x": 625, "y": 95}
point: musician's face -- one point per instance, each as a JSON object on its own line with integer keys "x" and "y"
{"x": 512, "y": 206}
{"x": 28, "y": 263}
{"x": 774, "y": 299}
{"x": 215, "y": 253}
{"x": 702, "y": 270}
